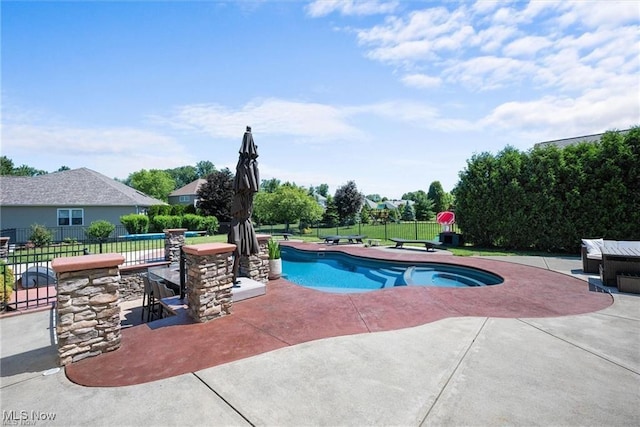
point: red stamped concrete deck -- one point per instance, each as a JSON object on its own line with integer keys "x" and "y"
{"x": 289, "y": 314}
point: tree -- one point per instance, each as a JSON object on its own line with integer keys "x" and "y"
{"x": 154, "y": 183}
{"x": 270, "y": 185}
{"x": 423, "y": 206}
{"x": 63, "y": 168}
{"x": 407, "y": 213}
{"x": 330, "y": 217}
{"x": 6, "y": 166}
{"x": 365, "y": 214}
{"x": 348, "y": 201}
{"x": 216, "y": 195}
{"x": 323, "y": 190}
{"x": 439, "y": 197}
{"x": 376, "y": 197}
{"x": 286, "y": 205}
{"x": 204, "y": 168}
{"x": 183, "y": 175}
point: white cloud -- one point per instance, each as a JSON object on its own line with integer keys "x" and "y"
{"x": 603, "y": 15}
{"x": 321, "y": 8}
{"x": 116, "y": 152}
{"x": 527, "y": 46}
{"x": 421, "y": 81}
{"x": 310, "y": 121}
{"x": 554, "y": 117}
{"x": 489, "y": 72}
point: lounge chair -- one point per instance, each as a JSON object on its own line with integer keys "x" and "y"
{"x": 428, "y": 244}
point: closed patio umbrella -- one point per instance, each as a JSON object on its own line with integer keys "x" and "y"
{"x": 245, "y": 184}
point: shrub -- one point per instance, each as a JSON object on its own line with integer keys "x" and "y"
{"x": 210, "y": 224}
{"x": 177, "y": 210}
{"x": 162, "y": 222}
{"x": 100, "y": 230}
{"x": 192, "y": 222}
{"x": 135, "y": 223}
{"x": 6, "y": 282}
{"x": 158, "y": 210}
{"x": 40, "y": 235}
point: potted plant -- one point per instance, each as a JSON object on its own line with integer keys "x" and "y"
{"x": 275, "y": 262}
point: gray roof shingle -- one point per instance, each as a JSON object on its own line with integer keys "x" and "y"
{"x": 189, "y": 189}
{"x": 76, "y": 187}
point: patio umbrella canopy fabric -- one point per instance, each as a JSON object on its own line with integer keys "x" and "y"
{"x": 245, "y": 184}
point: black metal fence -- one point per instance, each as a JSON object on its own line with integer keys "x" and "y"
{"x": 418, "y": 230}
{"x": 68, "y": 234}
{"x": 27, "y": 280}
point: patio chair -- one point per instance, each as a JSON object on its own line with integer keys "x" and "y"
{"x": 591, "y": 252}
{"x": 150, "y": 304}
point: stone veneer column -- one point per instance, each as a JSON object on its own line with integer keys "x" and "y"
{"x": 4, "y": 248}
{"x": 256, "y": 266}
{"x": 209, "y": 280}
{"x": 173, "y": 241}
{"x": 87, "y": 309}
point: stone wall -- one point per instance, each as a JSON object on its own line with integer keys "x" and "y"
{"x": 256, "y": 267}
{"x": 131, "y": 285}
{"x": 209, "y": 280}
{"x": 88, "y": 308}
{"x": 4, "y": 248}
{"x": 173, "y": 240}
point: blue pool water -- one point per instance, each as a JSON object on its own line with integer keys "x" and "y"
{"x": 343, "y": 273}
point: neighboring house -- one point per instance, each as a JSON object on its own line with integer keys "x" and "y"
{"x": 322, "y": 201}
{"x": 62, "y": 201}
{"x": 570, "y": 141}
{"x": 187, "y": 195}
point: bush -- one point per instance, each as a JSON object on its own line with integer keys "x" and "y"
{"x": 135, "y": 223}
{"x": 178, "y": 210}
{"x": 210, "y": 224}
{"x": 6, "y": 282}
{"x": 156, "y": 210}
{"x": 162, "y": 222}
{"x": 193, "y": 222}
{"x": 40, "y": 235}
{"x": 100, "y": 230}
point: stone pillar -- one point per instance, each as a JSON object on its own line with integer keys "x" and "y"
{"x": 173, "y": 241}
{"x": 256, "y": 266}
{"x": 209, "y": 280}
{"x": 87, "y": 309}
{"x": 4, "y": 248}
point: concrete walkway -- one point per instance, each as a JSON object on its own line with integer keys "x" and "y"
{"x": 573, "y": 370}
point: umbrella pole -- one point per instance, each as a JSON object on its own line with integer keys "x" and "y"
{"x": 236, "y": 267}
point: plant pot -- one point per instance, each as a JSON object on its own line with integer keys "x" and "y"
{"x": 275, "y": 268}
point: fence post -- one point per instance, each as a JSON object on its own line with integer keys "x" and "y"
{"x": 385, "y": 231}
{"x": 415, "y": 223}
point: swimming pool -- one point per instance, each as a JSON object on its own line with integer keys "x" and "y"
{"x": 343, "y": 273}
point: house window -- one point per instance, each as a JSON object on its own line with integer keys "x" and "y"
{"x": 184, "y": 198}
{"x": 70, "y": 216}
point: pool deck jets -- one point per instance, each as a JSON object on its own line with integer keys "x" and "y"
{"x": 289, "y": 314}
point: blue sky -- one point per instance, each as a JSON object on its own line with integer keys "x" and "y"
{"x": 390, "y": 94}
